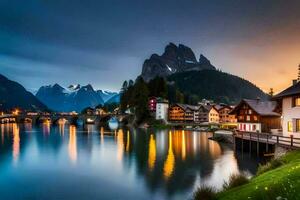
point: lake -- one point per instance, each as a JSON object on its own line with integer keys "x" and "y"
{"x": 94, "y": 162}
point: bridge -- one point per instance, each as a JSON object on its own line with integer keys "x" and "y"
{"x": 59, "y": 117}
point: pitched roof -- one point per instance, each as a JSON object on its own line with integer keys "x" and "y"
{"x": 293, "y": 90}
{"x": 186, "y": 106}
{"x": 264, "y": 108}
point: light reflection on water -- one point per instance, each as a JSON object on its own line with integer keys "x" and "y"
{"x": 92, "y": 162}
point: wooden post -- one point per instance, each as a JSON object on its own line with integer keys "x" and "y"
{"x": 292, "y": 140}
{"x": 234, "y": 144}
{"x": 242, "y": 143}
{"x": 257, "y": 145}
{"x": 267, "y": 147}
{"x": 277, "y": 139}
{"x": 250, "y": 142}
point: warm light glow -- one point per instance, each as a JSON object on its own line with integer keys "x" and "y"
{"x": 128, "y": 142}
{"x": 152, "y": 152}
{"x": 183, "y": 146}
{"x": 120, "y": 145}
{"x": 16, "y": 142}
{"x": 46, "y": 127}
{"x": 61, "y": 125}
{"x": 15, "y": 112}
{"x": 170, "y": 161}
{"x": 102, "y": 135}
{"x": 73, "y": 144}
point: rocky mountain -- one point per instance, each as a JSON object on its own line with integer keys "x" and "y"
{"x": 13, "y": 95}
{"x": 215, "y": 85}
{"x": 174, "y": 59}
{"x": 73, "y": 98}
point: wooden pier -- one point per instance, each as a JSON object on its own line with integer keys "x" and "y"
{"x": 264, "y": 143}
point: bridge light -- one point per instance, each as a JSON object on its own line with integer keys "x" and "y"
{"x": 16, "y": 112}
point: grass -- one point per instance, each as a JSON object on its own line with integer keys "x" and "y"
{"x": 205, "y": 193}
{"x": 235, "y": 180}
{"x": 273, "y": 164}
{"x": 280, "y": 180}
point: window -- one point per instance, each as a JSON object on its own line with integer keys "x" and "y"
{"x": 255, "y": 118}
{"x": 290, "y": 127}
{"x": 296, "y": 101}
{"x": 248, "y": 118}
{"x": 253, "y": 127}
{"x": 297, "y": 125}
{"x": 250, "y": 111}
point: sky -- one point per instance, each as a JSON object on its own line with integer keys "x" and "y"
{"x": 103, "y": 43}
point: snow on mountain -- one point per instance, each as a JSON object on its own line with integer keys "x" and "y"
{"x": 72, "y": 98}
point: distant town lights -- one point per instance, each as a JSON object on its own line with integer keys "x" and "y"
{"x": 16, "y": 112}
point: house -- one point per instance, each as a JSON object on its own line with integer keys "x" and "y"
{"x": 162, "y": 107}
{"x": 207, "y": 113}
{"x": 257, "y": 115}
{"x": 289, "y": 99}
{"x": 181, "y": 113}
{"x": 100, "y": 111}
{"x": 224, "y": 115}
{"x": 152, "y": 104}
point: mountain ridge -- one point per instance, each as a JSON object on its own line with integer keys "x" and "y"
{"x": 14, "y": 95}
{"x": 72, "y": 98}
{"x": 219, "y": 86}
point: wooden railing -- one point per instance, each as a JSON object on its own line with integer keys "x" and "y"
{"x": 286, "y": 141}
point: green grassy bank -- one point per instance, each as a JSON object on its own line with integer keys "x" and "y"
{"x": 282, "y": 182}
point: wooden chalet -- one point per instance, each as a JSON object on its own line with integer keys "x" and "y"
{"x": 257, "y": 116}
{"x": 224, "y": 114}
{"x": 181, "y": 113}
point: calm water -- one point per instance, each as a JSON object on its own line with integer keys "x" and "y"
{"x": 68, "y": 162}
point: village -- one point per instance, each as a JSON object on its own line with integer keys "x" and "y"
{"x": 277, "y": 115}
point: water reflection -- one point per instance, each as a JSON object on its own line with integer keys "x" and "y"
{"x": 169, "y": 163}
{"x": 152, "y": 152}
{"x": 16, "y": 142}
{"x": 73, "y": 144}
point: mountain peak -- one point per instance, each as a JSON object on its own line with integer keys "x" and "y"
{"x": 174, "y": 59}
{"x": 74, "y": 87}
{"x": 203, "y": 60}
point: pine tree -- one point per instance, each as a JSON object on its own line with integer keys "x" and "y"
{"x": 141, "y": 94}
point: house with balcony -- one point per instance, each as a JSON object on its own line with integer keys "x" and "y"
{"x": 255, "y": 115}
{"x": 224, "y": 114}
{"x": 289, "y": 99}
{"x": 206, "y": 113}
{"x": 181, "y": 113}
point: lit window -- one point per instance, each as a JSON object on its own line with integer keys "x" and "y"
{"x": 255, "y": 118}
{"x": 250, "y": 112}
{"x": 248, "y": 118}
{"x": 290, "y": 127}
{"x": 296, "y": 101}
{"x": 297, "y": 125}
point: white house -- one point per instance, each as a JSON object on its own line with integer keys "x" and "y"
{"x": 290, "y": 99}
{"x": 162, "y": 108}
